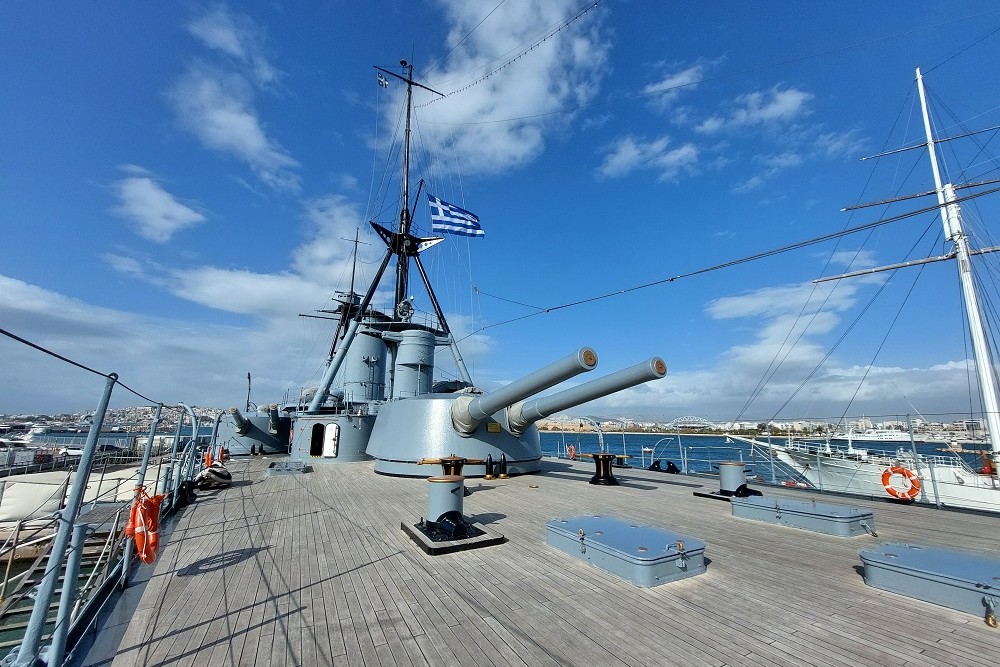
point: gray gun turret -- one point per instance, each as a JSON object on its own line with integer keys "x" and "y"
{"x": 242, "y": 423}
{"x": 467, "y": 411}
{"x": 522, "y": 415}
{"x": 273, "y": 421}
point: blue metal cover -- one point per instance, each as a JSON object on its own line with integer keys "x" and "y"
{"x": 956, "y": 579}
{"x": 645, "y": 555}
{"x": 829, "y": 518}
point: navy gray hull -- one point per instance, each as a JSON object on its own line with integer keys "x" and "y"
{"x": 331, "y": 438}
{"x": 265, "y": 431}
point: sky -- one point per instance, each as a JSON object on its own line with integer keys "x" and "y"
{"x": 182, "y": 184}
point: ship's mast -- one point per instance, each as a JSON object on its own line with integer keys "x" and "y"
{"x": 403, "y": 246}
{"x": 403, "y": 261}
{"x": 952, "y": 219}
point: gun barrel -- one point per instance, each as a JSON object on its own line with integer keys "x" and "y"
{"x": 242, "y": 423}
{"x": 467, "y": 412}
{"x": 522, "y": 415}
{"x": 273, "y": 422}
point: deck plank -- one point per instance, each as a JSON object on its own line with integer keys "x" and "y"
{"x": 314, "y": 570}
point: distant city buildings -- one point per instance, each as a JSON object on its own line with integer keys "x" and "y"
{"x": 132, "y": 419}
{"x": 137, "y": 420}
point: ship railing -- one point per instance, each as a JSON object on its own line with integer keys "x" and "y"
{"x": 26, "y": 534}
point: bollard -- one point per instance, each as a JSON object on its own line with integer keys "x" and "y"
{"x": 732, "y": 474}
{"x": 446, "y": 494}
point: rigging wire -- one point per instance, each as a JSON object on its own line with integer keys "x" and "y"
{"x": 736, "y": 262}
{"x": 892, "y": 324}
{"x": 720, "y": 77}
{"x": 461, "y": 41}
{"x": 108, "y": 376}
{"x": 775, "y": 364}
{"x": 546, "y": 35}
{"x": 959, "y": 52}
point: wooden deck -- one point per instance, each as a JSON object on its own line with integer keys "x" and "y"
{"x": 314, "y": 570}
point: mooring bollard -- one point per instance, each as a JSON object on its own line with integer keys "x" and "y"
{"x": 446, "y": 494}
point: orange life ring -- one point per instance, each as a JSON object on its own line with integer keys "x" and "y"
{"x": 911, "y": 477}
{"x": 144, "y": 524}
{"x": 571, "y": 452}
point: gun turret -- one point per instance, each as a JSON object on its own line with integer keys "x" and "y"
{"x": 242, "y": 423}
{"x": 273, "y": 422}
{"x": 467, "y": 411}
{"x": 522, "y": 415}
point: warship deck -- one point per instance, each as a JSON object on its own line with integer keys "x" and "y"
{"x": 314, "y": 569}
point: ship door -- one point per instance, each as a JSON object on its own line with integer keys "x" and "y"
{"x": 331, "y": 441}
{"x": 316, "y": 440}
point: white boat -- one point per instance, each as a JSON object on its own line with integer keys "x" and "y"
{"x": 874, "y": 435}
{"x": 905, "y": 475}
{"x": 945, "y": 480}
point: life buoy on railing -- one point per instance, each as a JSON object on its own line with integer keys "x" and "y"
{"x": 144, "y": 524}
{"x": 571, "y": 452}
{"x": 914, "y": 483}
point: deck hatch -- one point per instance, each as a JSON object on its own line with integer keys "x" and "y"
{"x": 645, "y": 555}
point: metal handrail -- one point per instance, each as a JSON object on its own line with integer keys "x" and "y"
{"x": 110, "y": 543}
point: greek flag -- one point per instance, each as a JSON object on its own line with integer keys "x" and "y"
{"x": 450, "y": 219}
{"x": 382, "y": 81}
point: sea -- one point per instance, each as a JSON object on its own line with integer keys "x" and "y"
{"x": 701, "y": 454}
{"x": 691, "y": 453}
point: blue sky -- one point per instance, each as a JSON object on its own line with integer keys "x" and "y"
{"x": 179, "y": 181}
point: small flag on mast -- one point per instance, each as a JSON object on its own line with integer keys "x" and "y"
{"x": 450, "y": 219}
{"x": 382, "y": 81}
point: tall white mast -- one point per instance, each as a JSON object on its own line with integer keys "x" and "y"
{"x": 952, "y": 219}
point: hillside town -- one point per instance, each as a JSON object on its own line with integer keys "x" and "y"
{"x": 138, "y": 419}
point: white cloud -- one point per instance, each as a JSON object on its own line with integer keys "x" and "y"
{"x": 757, "y": 108}
{"x": 773, "y": 165}
{"x": 630, "y": 154}
{"x": 666, "y": 91}
{"x": 783, "y": 160}
{"x": 215, "y": 100}
{"x": 156, "y": 214}
{"x": 237, "y": 36}
{"x": 768, "y": 302}
{"x": 772, "y": 107}
{"x": 247, "y": 292}
{"x": 130, "y": 266}
{"x": 154, "y": 356}
{"x": 499, "y": 122}
{"x": 854, "y": 259}
{"x": 323, "y": 259}
{"x": 840, "y": 145}
{"x": 218, "y": 109}
{"x": 749, "y": 185}
{"x": 710, "y": 125}
{"x": 326, "y": 252}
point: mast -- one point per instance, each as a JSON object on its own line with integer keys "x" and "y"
{"x": 952, "y": 220}
{"x": 402, "y": 261}
{"x": 403, "y": 246}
